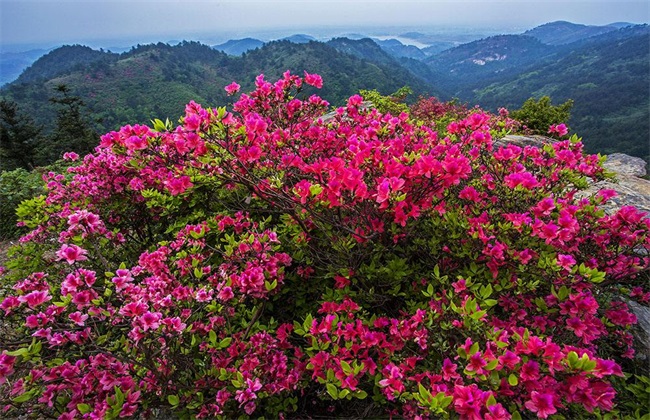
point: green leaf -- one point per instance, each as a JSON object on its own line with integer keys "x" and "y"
{"x": 225, "y": 342}
{"x": 173, "y": 400}
{"x": 20, "y": 352}
{"x": 345, "y": 366}
{"x": 493, "y": 364}
{"x": 315, "y": 189}
{"x": 473, "y": 349}
{"x": 119, "y": 397}
{"x": 512, "y": 380}
{"x": 212, "y": 336}
{"x": 23, "y": 398}
{"x": 424, "y": 393}
{"x": 83, "y": 408}
{"x": 360, "y": 394}
{"x": 332, "y": 390}
{"x": 271, "y": 286}
{"x": 490, "y": 302}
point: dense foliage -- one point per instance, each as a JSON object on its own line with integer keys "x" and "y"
{"x": 538, "y": 115}
{"x": 274, "y": 259}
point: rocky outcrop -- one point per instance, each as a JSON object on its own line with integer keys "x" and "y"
{"x": 626, "y": 165}
{"x": 631, "y": 188}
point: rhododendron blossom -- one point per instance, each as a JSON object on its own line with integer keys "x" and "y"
{"x": 277, "y": 259}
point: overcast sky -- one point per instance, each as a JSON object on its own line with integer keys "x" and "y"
{"x": 79, "y": 21}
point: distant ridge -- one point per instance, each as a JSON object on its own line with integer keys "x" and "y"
{"x": 562, "y": 32}
{"x": 238, "y": 46}
{"x": 299, "y": 38}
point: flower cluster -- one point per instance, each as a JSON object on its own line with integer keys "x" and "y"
{"x": 246, "y": 259}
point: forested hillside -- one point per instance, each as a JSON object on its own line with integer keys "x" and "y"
{"x": 156, "y": 81}
{"x": 608, "y": 80}
{"x": 605, "y": 70}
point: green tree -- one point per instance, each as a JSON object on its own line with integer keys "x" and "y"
{"x": 19, "y": 137}
{"x": 393, "y": 103}
{"x": 538, "y": 115}
{"x": 73, "y": 131}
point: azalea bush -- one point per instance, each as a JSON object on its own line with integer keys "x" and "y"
{"x": 276, "y": 260}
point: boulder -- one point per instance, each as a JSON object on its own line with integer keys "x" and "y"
{"x": 625, "y": 165}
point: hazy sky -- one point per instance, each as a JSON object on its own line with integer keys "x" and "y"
{"x": 70, "y": 21}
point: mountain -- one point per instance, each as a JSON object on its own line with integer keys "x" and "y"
{"x": 365, "y": 49}
{"x": 156, "y": 81}
{"x": 238, "y": 46}
{"x": 398, "y": 50}
{"x": 14, "y": 63}
{"x": 474, "y": 64}
{"x": 438, "y": 47}
{"x": 561, "y": 32}
{"x": 608, "y": 78}
{"x": 369, "y": 50}
{"x": 62, "y": 60}
{"x": 299, "y": 38}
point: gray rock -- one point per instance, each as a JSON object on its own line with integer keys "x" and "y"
{"x": 625, "y": 165}
{"x": 523, "y": 141}
{"x": 641, "y": 330}
{"x": 632, "y": 191}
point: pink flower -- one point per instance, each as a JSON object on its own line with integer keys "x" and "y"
{"x": 530, "y": 371}
{"x": 35, "y": 298}
{"x": 541, "y": 403}
{"x": 71, "y": 253}
{"x": 314, "y": 80}
{"x": 136, "y": 143}
{"x": 560, "y": 129}
{"x": 9, "y": 303}
{"x": 232, "y": 88}
{"x": 71, "y": 156}
{"x": 497, "y": 412}
{"x": 78, "y": 318}
{"x": 341, "y": 282}
{"x": 192, "y": 122}
{"x": 178, "y": 186}
{"x": 469, "y": 401}
{"x": 566, "y": 261}
{"x": 6, "y": 367}
{"x": 150, "y": 320}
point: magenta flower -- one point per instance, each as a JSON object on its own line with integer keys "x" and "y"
{"x": 497, "y": 412}
{"x": 150, "y": 320}
{"x": 135, "y": 143}
{"x": 565, "y": 261}
{"x": 541, "y": 404}
{"x": 6, "y": 367}
{"x": 35, "y": 298}
{"x": 71, "y": 253}
{"x": 192, "y": 122}
{"x": 71, "y": 156}
{"x": 314, "y": 80}
{"x": 178, "y": 186}
{"x": 560, "y": 129}
{"x": 232, "y": 88}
